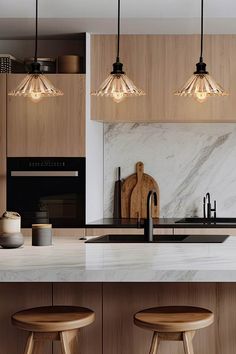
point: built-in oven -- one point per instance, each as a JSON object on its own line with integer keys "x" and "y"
{"x": 47, "y": 190}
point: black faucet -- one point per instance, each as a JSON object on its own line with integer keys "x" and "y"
{"x": 148, "y": 223}
{"x": 207, "y": 209}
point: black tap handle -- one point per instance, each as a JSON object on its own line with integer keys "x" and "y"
{"x": 204, "y": 207}
{"x": 214, "y": 209}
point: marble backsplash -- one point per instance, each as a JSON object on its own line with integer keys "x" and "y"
{"x": 187, "y": 160}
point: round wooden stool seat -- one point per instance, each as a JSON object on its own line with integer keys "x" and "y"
{"x": 53, "y": 318}
{"x": 174, "y": 318}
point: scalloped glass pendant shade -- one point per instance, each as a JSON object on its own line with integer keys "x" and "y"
{"x": 36, "y": 87}
{"x": 118, "y": 87}
{"x": 200, "y": 87}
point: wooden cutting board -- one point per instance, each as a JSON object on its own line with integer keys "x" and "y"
{"x": 134, "y": 194}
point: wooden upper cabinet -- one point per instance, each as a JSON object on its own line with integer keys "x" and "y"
{"x": 52, "y": 127}
{"x": 160, "y": 65}
{"x": 3, "y": 133}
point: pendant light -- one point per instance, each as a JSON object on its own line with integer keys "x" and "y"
{"x": 118, "y": 86}
{"x": 201, "y": 85}
{"x": 35, "y": 85}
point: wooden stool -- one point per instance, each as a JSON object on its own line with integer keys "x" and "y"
{"x": 60, "y": 323}
{"x": 177, "y": 323}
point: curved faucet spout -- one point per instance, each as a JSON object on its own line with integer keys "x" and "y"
{"x": 148, "y": 223}
{"x": 151, "y": 194}
{"x": 208, "y": 197}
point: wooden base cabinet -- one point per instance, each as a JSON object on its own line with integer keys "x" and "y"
{"x": 85, "y": 295}
{"x": 205, "y": 231}
{"x": 15, "y": 297}
{"x": 52, "y": 127}
{"x": 124, "y": 231}
{"x": 113, "y": 331}
{"x": 121, "y": 301}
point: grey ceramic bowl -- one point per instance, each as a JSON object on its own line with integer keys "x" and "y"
{"x": 11, "y": 240}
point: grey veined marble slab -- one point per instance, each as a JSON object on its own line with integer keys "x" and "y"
{"x": 71, "y": 260}
{"x": 187, "y": 160}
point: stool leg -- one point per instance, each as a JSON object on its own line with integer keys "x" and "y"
{"x": 64, "y": 343}
{"x": 30, "y": 344}
{"x": 69, "y": 342}
{"x": 155, "y": 344}
{"x": 188, "y": 344}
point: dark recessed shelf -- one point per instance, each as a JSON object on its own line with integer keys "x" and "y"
{"x": 48, "y": 47}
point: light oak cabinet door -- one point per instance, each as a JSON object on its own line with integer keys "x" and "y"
{"x": 86, "y": 295}
{"x": 2, "y": 143}
{"x": 16, "y": 297}
{"x": 52, "y": 127}
{"x": 160, "y": 65}
{"x": 122, "y": 300}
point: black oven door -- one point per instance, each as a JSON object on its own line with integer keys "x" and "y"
{"x": 47, "y": 190}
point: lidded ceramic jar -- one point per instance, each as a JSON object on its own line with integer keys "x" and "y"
{"x": 10, "y": 230}
{"x": 10, "y": 223}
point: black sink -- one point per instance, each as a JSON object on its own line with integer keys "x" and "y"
{"x": 160, "y": 239}
{"x": 206, "y": 221}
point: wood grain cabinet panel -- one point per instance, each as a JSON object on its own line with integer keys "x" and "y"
{"x": 124, "y": 231}
{"x": 160, "y": 65}
{"x": 15, "y": 297}
{"x": 52, "y": 127}
{"x": 3, "y": 133}
{"x": 87, "y": 295}
{"x": 205, "y": 231}
{"x": 122, "y": 301}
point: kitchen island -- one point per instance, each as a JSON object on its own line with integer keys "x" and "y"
{"x": 116, "y": 280}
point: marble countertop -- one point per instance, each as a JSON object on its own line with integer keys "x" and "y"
{"x": 71, "y": 260}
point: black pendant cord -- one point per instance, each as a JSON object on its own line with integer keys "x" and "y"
{"x": 36, "y": 33}
{"x": 201, "y": 54}
{"x": 35, "y": 66}
{"x": 118, "y": 66}
{"x": 118, "y": 34}
{"x": 201, "y": 66}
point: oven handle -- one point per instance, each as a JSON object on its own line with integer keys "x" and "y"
{"x": 44, "y": 173}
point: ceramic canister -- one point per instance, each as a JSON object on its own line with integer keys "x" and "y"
{"x": 41, "y": 235}
{"x": 10, "y": 223}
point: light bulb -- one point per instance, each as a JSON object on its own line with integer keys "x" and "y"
{"x": 35, "y": 97}
{"x": 118, "y": 97}
{"x": 201, "y": 96}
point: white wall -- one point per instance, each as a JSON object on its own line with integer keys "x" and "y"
{"x": 94, "y": 155}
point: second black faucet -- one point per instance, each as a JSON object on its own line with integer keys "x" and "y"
{"x": 207, "y": 209}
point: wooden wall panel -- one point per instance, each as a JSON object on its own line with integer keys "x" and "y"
{"x": 161, "y": 64}
{"x": 87, "y": 295}
{"x": 3, "y": 133}
{"x": 15, "y": 297}
{"x": 52, "y": 127}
